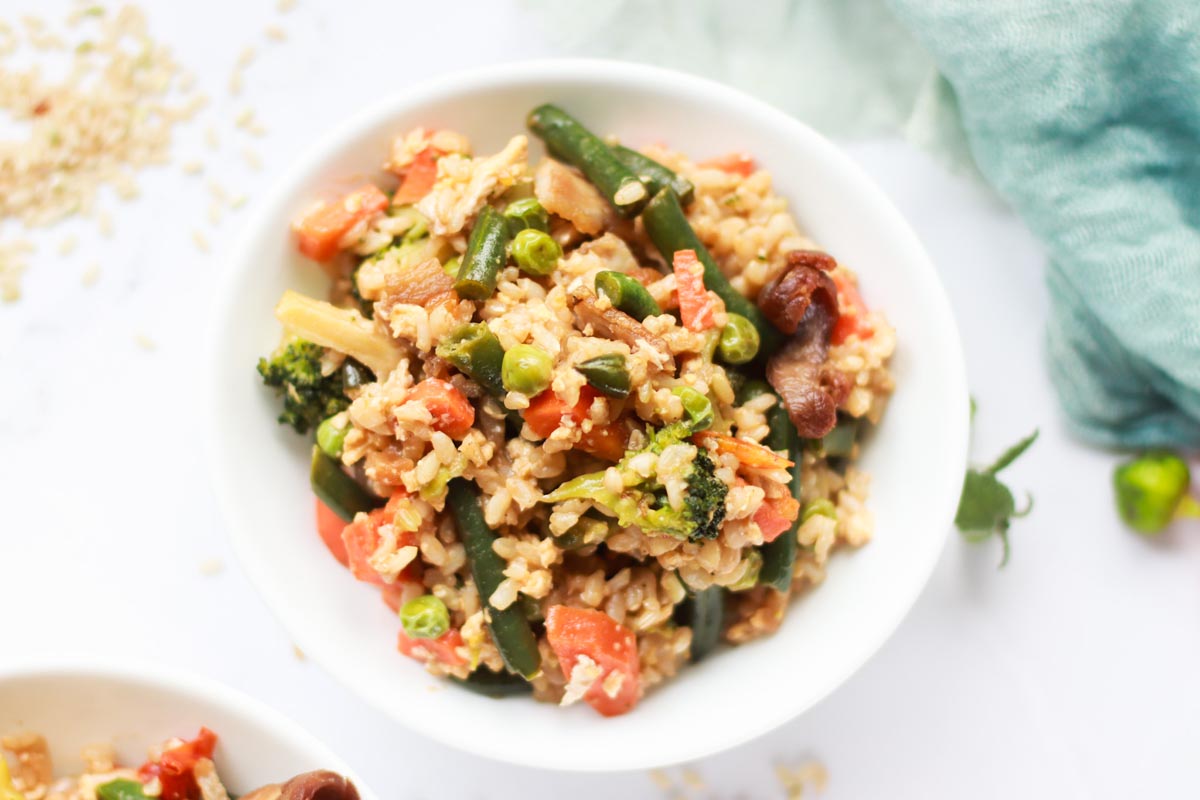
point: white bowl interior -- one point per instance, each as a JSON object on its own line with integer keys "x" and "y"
{"x": 917, "y": 455}
{"x": 75, "y": 707}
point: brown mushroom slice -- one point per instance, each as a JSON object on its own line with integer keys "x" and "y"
{"x": 614, "y": 324}
{"x": 802, "y": 302}
{"x": 785, "y": 300}
{"x": 318, "y": 785}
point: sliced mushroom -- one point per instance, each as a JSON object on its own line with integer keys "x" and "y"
{"x": 802, "y": 302}
{"x": 617, "y": 325}
{"x": 319, "y": 785}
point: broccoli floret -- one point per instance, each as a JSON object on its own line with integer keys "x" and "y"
{"x": 308, "y": 396}
{"x": 643, "y": 501}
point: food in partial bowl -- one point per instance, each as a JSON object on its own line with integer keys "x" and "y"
{"x": 581, "y": 418}
{"x": 71, "y": 731}
{"x": 176, "y": 769}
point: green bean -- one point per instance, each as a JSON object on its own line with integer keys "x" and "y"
{"x": 355, "y": 374}
{"x": 698, "y": 407}
{"x": 494, "y": 684}
{"x": 121, "y": 789}
{"x": 779, "y": 554}
{"x": 569, "y": 141}
{"x": 535, "y": 252}
{"x": 587, "y": 531}
{"x": 509, "y": 628}
{"x": 485, "y": 256}
{"x": 344, "y": 496}
{"x": 654, "y": 174}
{"x": 668, "y": 228}
{"x": 526, "y": 213}
{"x": 606, "y": 374}
{"x": 739, "y": 340}
{"x": 626, "y": 294}
{"x": 476, "y": 352}
{"x": 526, "y": 369}
{"x": 840, "y": 440}
{"x": 331, "y": 436}
{"x": 425, "y": 617}
{"x": 704, "y": 613}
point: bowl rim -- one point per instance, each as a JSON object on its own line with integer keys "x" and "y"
{"x": 210, "y": 691}
{"x": 327, "y": 145}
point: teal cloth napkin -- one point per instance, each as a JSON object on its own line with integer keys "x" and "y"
{"x": 1083, "y": 114}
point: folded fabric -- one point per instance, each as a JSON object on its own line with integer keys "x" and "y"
{"x": 1083, "y": 114}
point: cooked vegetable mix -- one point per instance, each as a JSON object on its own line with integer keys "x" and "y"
{"x": 176, "y": 769}
{"x": 559, "y": 410}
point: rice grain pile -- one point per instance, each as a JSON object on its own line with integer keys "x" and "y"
{"x": 109, "y": 114}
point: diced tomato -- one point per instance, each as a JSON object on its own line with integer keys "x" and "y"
{"x": 174, "y": 768}
{"x": 576, "y": 632}
{"x": 320, "y": 230}
{"x": 852, "y": 316}
{"x": 748, "y": 454}
{"x": 546, "y": 412}
{"x": 452, "y": 412}
{"x": 361, "y": 538}
{"x": 444, "y": 649}
{"x": 736, "y": 163}
{"x": 697, "y": 306}
{"x": 419, "y": 178}
{"x": 775, "y": 516}
{"x": 330, "y": 527}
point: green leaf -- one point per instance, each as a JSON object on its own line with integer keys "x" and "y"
{"x": 1013, "y": 453}
{"x": 986, "y": 506}
{"x": 985, "y": 503}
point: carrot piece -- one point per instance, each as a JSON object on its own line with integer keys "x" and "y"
{"x": 452, "y": 412}
{"x": 748, "y": 454}
{"x": 444, "y": 649}
{"x": 574, "y": 633}
{"x": 776, "y": 516}
{"x": 546, "y": 412}
{"x": 320, "y": 230}
{"x": 330, "y": 527}
{"x": 735, "y": 163}
{"x": 419, "y": 178}
{"x": 174, "y": 769}
{"x": 697, "y": 306}
{"x": 852, "y": 319}
{"x": 361, "y": 538}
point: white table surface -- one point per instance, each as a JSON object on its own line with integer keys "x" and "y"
{"x": 1072, "y": 673}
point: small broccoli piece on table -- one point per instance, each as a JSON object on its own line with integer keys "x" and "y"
{"x": 308, "y": 396}
{"x": 643, "y": 501}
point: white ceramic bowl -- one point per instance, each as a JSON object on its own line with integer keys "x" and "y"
{"x": 917, "y": 456}
{"x": 74, "y": 705}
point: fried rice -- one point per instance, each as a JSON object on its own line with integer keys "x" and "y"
{"x": 573, "y": 552}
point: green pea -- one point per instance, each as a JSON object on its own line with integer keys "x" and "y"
{"x": 425, "y": 617}
{"x": 1152, "y": 491}
{"x": 822, "y": 507}
{"x": 739, "y": 340}
{"x": 749, "y": 578}
{"x": 535, "y": 252}
{"x": 526, "y": 213}
{"x": 699, "y": 409}
{"x": 331, "y": 435}
{"x": 606, "y": 374}
{"x": 120, "y": 789}
{"x": 526, "y": 369}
